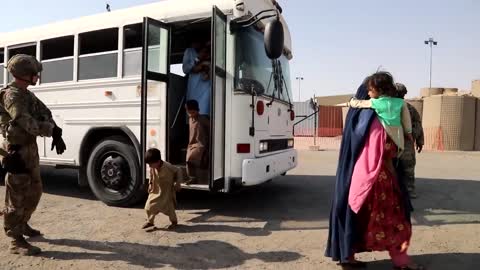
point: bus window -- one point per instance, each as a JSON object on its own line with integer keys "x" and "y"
{"x": 2, "y": 60}
{"x": 98, "y": 56}
{"x": 27, "y": 49}
{"x": 132, "y": 54}
{"x": 57, "y": 59}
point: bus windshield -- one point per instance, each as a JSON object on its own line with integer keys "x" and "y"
{"x": 253, "y": 67}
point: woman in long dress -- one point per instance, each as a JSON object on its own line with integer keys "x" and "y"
{"x": 371, "y": 208}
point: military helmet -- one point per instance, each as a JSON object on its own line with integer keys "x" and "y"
{"x": 21, "y": 65}
{"x": 401, "y": 89}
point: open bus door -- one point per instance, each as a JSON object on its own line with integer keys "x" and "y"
{"x": 217, "y": 131}
{"x": 155, "y": 70}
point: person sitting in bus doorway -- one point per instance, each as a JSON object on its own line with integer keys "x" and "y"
{"x": 165, "y": 180}
{"x": 23, "y": 118}
{"x": 197, "y": 151}
{"x": 195, "y": 63}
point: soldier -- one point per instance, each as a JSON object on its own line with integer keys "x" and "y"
{"x": 407, "y": 159}
{"x": 23, "y": 117}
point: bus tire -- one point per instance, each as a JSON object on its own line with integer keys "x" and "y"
{"x": 113, "y": 173}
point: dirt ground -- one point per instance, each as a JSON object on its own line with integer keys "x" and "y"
{"x": 280, "y": 225}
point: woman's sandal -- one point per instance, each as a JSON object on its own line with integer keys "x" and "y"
{"x": 354, "y": 264}
{"x": 417, "y": 267}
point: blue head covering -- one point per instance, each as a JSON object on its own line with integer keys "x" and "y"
{"x": 342, "y": 219}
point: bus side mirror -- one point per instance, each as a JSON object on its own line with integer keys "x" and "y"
{"x": 274, "y": 39}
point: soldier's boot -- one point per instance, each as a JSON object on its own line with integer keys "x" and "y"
{"x": 30, "y": 232}
{"x": 20, "y": 246}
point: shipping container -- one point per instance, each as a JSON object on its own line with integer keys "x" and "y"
{"x": 330, "y": 121}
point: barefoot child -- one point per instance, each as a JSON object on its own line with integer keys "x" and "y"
{"x": 163, "y": 184}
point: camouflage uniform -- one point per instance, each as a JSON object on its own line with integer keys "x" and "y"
{"x": 408, "y": 159}
{"x": 23, "y": 117}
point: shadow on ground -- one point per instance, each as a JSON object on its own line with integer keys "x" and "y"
{"x": 64, "y": 182}
{"x": 446, "y": 261}
{"x": 296, "y": 202}
{"x": 199, "y": 255}
{"x": 303, "y": 202}
{"x": 199, "y": 228}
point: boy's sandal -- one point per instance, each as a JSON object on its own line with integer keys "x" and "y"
{"x": 147, "y": 225}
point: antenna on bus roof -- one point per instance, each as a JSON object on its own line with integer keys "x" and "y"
{"x": 107, "y": 6}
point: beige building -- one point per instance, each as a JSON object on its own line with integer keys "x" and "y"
{"x": 333, "y": 100}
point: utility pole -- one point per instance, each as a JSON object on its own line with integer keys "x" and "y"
{"x": 299, "y": 79}
{"x": 316, "y": 119}
{"x": 432, "y": 43}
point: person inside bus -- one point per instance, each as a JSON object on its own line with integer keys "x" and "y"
{"x": 198, "y": 143}
{"x": 205, "y": 62}
{"x": 196, "y": 66}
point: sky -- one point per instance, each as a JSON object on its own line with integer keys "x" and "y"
{"x": 336, "y": 44}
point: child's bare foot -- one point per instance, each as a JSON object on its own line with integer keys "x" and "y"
{"x": 147, "y": 225}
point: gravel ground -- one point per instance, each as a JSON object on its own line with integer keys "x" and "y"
{"x": 280, "y": 225}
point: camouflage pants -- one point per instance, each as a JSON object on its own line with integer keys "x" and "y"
{"x": 23, "y": 193}
{"x": 408, "y": 162}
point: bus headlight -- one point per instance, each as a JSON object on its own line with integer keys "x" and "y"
{"x": 263, "y": 146}
{"x": 290, "y": 143}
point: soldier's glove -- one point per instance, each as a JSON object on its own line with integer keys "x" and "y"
{"x": 57, "y": 132}
{"x": 57, "y": 141}
{"x": 13, "y": 162}
{"x": 419, "y": 148}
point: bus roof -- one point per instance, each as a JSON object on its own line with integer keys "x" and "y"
{"x": 167, "y": 10}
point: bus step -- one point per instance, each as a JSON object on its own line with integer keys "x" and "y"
{"x": 196, "y": 187}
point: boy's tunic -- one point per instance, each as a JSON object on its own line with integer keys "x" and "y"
{"x": 197, "y": 151}
{"x": 162, "y": 192}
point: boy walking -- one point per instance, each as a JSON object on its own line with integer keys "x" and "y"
{"x": 163, "y": 184}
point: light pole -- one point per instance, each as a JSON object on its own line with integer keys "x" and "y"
{"x": 431, "y": 42}
{"x": 299, "y": 79}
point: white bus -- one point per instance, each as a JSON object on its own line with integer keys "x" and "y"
{"x": 111, "y": 84}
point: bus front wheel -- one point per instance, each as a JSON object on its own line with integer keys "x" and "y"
{"x": 113, "y": 173}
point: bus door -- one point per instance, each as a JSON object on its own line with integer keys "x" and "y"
{"x": 217, "y": 112}
{"x": 155, "y": 70}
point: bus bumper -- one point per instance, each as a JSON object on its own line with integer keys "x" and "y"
{"x": 259, "y": 170}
